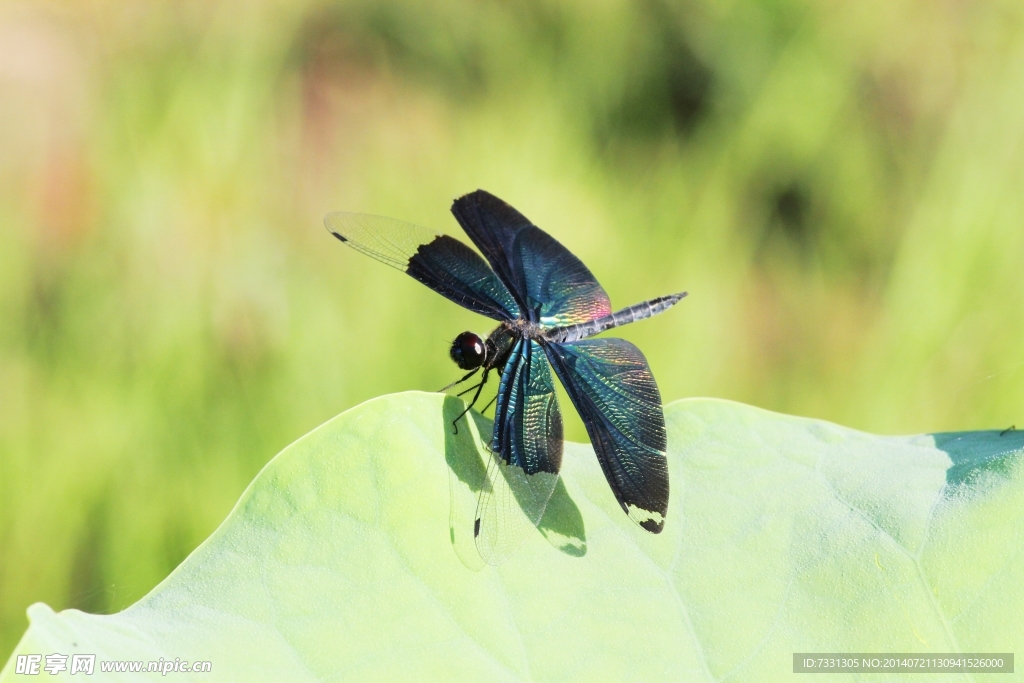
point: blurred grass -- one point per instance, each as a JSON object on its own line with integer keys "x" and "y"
{"x": 836, "y": 184}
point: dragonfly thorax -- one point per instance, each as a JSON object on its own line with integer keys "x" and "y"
{"x": 468, "y": 351}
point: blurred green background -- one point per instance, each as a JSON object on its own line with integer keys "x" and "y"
{"x": 839, "y": 185}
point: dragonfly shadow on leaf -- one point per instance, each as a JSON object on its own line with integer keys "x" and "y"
{"x": 467, "y": 457}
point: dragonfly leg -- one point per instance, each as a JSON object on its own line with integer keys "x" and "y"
{"x": 466, "y": 391}
{"x": 460, "y": 381}
{"x": 489, "y": 404}
{"x": 479, "y": 387}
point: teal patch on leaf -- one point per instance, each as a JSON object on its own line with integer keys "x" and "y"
{"x": 975, "y": 454}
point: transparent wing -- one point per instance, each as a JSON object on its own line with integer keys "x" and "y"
{"x": 611, "y": 385}
{"x": 525, "y": 455}
{"x": 442, "y": 263}
{"x": 551, "y": 285}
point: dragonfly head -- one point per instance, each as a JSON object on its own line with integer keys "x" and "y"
{"x": 468, "y": 351}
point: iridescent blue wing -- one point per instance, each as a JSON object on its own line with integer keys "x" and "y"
{"x": 525, "y": 454}
{"x": 551, "y": 285}
{"x": 612, "y": 387}
{"x": 442, "y": 263}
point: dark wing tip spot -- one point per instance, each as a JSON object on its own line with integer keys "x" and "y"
{"x": 653, "y": 526}
{"x": 476, "y": 528}
{"x": 339, "y": 236}
{"x": 477, "y": 197}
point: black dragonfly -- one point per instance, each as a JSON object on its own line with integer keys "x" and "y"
{"x": 547, "y": 304}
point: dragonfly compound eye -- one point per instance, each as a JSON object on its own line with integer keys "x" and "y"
{"x": 468, "y": 351}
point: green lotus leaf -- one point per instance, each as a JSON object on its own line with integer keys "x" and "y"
{"x": 350, "y": 557}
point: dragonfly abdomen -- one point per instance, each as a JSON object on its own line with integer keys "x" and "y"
{"x": 644, "y": 309}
